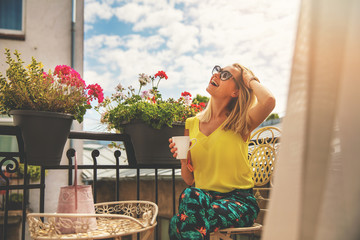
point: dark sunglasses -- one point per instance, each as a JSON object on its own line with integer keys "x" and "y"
{"x": 224, "y": 75}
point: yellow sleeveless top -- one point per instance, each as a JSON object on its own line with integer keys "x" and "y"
{"x": 220, "y": 160}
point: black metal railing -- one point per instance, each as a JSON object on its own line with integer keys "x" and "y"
{"x": 9, "y": 163}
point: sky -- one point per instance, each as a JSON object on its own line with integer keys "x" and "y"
{"x": 186, "y": 38}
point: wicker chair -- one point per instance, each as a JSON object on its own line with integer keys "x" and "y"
{"x": 113, "y": 220}
{"x": 263, "y": 149}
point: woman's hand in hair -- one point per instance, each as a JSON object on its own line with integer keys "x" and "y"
{"x": 248, "y": 77}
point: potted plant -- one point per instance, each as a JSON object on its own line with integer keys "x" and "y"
{"x": 149, "y": 119}
{"x": 43, "y": 105}
{"x": 33, "y": 172}
{"x": 15, "y": 201}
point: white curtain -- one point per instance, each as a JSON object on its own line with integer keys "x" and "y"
{"x": 316, "y": 191}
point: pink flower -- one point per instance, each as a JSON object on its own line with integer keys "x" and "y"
{"x": 95, "y": 91}
{"x": 69, "y": 76}
{"x": 146, "y": 94}
{"x": 187, "y": 100}
{"x": 62, "y": 69}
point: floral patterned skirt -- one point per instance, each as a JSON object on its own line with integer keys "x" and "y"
{"x": 202, "y": 212}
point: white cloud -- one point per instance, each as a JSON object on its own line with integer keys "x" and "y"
{"x": 94, "y": 10}
{"x": 158, "y": 18}
{"x": 134, "y": 41}
{"x": 182, "y": 38}
{"x": 143, "y": 43}
{"x": 102, "y": 41}
{"x": 131, "y": 12}
{"x": 104, "y": 79}
{"x": 188, "y": 41}
{"x": 148, "y": 14}
{"x": 88, "y": 27}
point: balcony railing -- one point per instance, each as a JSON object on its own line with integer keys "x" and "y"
{"x": 9, "y": 164}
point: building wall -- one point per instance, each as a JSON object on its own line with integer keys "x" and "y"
{"x": 47, "y": 34}
{"x": 48, "y": 39}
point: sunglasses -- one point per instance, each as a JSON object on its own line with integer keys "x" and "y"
{"x": 224, "y": 75}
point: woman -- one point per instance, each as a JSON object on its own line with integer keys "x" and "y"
{"x": 218, "y": 163}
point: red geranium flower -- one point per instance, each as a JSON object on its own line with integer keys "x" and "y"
{"x": 184, "y": 94}
{"x": 161, "y": 74}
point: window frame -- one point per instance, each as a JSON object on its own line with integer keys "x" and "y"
{"x": 15, "y": 34}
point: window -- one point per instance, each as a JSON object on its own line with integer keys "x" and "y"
{"x": 12, "y": 19}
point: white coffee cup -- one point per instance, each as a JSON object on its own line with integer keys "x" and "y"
{"x": 182, "y": 143}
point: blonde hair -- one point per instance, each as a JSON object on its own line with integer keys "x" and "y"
{"x": 238, "y": 120}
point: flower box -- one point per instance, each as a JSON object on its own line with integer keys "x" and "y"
{"x": 151, "y": 145}
{"x": 149, "y": 119}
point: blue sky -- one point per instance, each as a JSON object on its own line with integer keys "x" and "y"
{"x": 186, "y": 38}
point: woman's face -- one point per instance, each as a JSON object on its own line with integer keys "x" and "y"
{"x": 219, "y": 86}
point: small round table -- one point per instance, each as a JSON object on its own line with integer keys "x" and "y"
{"x": 112, "y": 220}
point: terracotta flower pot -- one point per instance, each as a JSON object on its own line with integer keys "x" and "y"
{"x": 44, "y": 135}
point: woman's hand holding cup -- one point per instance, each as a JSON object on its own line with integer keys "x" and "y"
{"x": 172, "y": 147}
{"x": 183, "y": 146}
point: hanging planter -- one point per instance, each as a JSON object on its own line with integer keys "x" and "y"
{"x": 151, "y": 145}
{"x": 44, "y": 135}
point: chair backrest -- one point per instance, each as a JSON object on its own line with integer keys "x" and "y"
{"x": 263, "y": 149}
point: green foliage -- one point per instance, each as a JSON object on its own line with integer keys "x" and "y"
{"x": 273, "y": 116}
{"x": 15, "y": 201}
{"x": 16, "y": 197}
{"x": 125, "y": 106}
{"x": 30, "y": 88}
{"x": 34, "y": 172}
{"x": 199, "y": 98}
{"x": 155, "y": 115}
